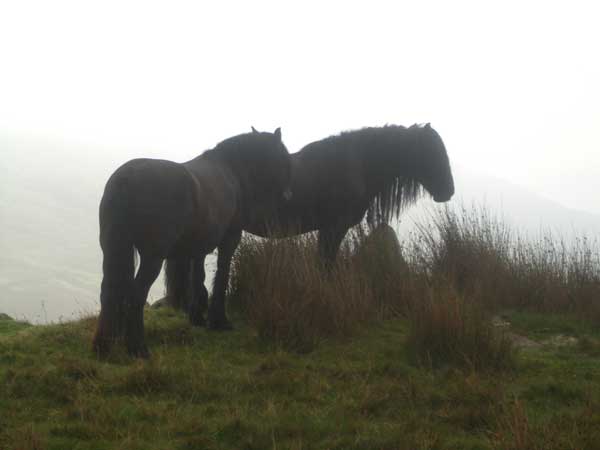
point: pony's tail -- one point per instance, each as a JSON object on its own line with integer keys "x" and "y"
{"x": 118, "y": 267}
{"x": 177, "y": 280}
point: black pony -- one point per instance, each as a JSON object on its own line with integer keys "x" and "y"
{"x": 165, "y": 209}
{"x": 378, "y": 171}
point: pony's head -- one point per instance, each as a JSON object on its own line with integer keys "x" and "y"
{"x": 261, "y": 163}
{"x": 276, "y": 167}
{"x": 432, "y": 165}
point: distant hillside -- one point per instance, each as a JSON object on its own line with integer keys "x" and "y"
{"x": 49, "y": 252}
{"x": 525, "y": 211}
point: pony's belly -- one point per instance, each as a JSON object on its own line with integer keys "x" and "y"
{"x": 192, "y": 248}
{"x": 159, "y": 243}
{"x": 280, "y": 229}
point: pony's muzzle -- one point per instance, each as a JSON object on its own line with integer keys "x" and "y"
{"x": 441, "y": 198}
{"x": 287, "y": 194}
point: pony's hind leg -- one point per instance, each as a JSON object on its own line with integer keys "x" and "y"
{"x": 134, "y": 336}
{"x": 111, "y": 321}
{"x": 199, "y": 300}
{"x": 217, "y": 319}
{"x": 115, "y": 291}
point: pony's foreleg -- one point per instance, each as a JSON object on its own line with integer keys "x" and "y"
{"x": 329, "y": 243}
{"x": 134, "y": 336}
{"x": 199, "y": 299}
{"x": 217, "y": 319}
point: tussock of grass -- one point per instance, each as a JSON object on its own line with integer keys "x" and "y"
{"x": 467, "y": 249}
{"x": 447, "y": 329}
{"x": 285, "y": 292}
{"x": 517, "y": 429}
{"x": 488, "y": 261}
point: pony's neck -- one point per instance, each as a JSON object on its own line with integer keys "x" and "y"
{"x": 391, "y": 172}
{"x": 387, "y": 157}
{"x": 226, "y": 164}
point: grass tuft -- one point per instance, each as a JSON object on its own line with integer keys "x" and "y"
{"x": 449, "y": 329}
{"x": 286, "y": 294}
{"x": 484, "y": 259}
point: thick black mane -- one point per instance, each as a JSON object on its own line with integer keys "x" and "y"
{"x": 232, "y": 148}
{"x": 245, "y": 155}
{"x": 404, "y": 190}
{"x": 392, "y": 195}
{"x": 374, "y": 133}
{"x": 391, "y": 201}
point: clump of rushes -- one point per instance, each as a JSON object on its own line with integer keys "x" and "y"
{"x": 469, "y": 248}
{"x": 485, "y": 259}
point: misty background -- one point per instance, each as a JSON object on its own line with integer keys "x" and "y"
{"x": 511, "y": 88}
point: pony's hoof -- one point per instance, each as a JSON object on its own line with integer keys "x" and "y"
{"x": 101, "y": 345}
{"x": 101, "y": 349}
{"x": 220, "y": 325}
{"x": 139, "y": 352}
{"x": 197, "y": 321}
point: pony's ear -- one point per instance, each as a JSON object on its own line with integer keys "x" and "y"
{"x": 427, "y": 126}
{"x": 254, "y": 130}
{"x": 277, "y": 133}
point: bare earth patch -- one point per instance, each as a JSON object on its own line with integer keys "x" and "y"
{"x": 520, "y": 341}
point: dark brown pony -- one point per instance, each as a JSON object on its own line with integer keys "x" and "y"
{"x": 336, "y": 181}
{"x": 165, "y": 209}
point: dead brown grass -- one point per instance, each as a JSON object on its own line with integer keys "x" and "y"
{"x": 290, "y": 298}
{"x": 447, "y": 328}
{"x": 452, "y": 274}
{"x": 499, "y": 267}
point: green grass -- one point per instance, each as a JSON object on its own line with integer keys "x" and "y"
{"x": 8, "y": 325}
{"x": 204, "y": 390}
{"x": 544, "y": 326}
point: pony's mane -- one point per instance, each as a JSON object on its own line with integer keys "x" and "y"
{"x": 230, "y": 147}
{"x": 395, "y": 196}
{"x": 368, "y": 132}
{"x": 241, "y": 154}
{"x": 392, "y": 200}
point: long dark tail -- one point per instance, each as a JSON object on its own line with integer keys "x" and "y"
{"x": 177, "y": 281}
{"x": 118, "y": 267}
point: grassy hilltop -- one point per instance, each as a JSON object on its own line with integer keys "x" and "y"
{"x": 471, "y": 340}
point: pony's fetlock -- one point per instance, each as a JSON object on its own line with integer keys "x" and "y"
{"x": 220, "y": 323}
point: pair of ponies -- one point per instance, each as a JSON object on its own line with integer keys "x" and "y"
{"x": 181, "y": 212}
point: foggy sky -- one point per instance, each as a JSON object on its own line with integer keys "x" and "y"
{"x": 511, "y": 86}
